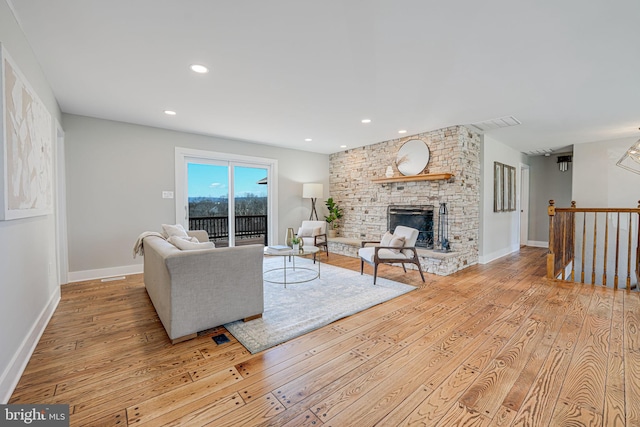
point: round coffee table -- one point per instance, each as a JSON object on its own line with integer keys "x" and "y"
{"x": 291, "y": 256}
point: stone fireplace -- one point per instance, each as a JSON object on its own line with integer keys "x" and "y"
{"x": 352, "y": 184}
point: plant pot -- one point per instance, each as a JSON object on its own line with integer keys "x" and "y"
{"x": 332, "y": 233}
{"x": 296, "y": 247}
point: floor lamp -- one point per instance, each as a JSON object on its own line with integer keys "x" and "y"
{"x": 312, "y": 191}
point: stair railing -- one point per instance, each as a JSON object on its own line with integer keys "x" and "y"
{"x": 592, "y": 241}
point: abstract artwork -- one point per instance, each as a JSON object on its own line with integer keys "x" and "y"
{"x": 26, "y": 133}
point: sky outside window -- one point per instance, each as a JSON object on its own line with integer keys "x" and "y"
{"x": 213, "y": 181}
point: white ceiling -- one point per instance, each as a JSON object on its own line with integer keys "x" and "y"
{"x": 283, "y": 71}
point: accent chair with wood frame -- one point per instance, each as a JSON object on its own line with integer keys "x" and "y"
{"x": 314, "y": 233}
{"x": 400, "y": 250}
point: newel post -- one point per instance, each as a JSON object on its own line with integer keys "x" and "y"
{"x": 551, "y": 210}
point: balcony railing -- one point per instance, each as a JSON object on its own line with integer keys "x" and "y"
{"x": 249, "y": 229}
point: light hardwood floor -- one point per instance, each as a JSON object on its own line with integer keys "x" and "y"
{"x": 493, "y": 345}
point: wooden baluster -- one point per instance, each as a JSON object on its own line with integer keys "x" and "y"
{"x": 584, "y": 243}
{"x": 615, "y": 278}
{"x": 595, "y": 235}
{"x": 629, "y": 256}
{"x": 551, "y": 210}
{"x": 606, "y": 247}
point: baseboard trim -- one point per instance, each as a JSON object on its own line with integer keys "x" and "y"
{"x": 486, "y": 259}
{"x": 101, "y": 273}
{"x": 12, "y": 374}
{"x": 537, "y": 244}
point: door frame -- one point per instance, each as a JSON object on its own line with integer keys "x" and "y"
{"x": 182, "y": 155}
{"x": 524, "y": 204}
{"x": 62, "y": 245}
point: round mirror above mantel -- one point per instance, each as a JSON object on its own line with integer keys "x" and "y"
{"x": 413, "y": 157}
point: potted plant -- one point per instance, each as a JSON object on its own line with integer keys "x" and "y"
{"x": 295, "y": 243}
{"x": 335, "y": 213}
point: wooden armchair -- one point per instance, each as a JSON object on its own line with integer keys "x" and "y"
{"x": 398, "y": 248}
{"x": 314, "y": 233}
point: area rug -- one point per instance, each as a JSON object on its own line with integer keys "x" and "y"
{"x": 304, "y": 307}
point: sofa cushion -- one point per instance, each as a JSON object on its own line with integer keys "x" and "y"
{"x": 173, "y": 230}
{"x": 188, "y": 245}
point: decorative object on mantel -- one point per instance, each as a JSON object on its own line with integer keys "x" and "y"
{"x": 389, "y": 172}
{"x": 312, "y": 191}
{"x": 413, "y": 157}
{"x": 443, "y": 229}
{"x": 335, "y": 213}
{"x": 631, "y": 159}
{"x": 421, "y": 177}
{"x": 504, "y": 187}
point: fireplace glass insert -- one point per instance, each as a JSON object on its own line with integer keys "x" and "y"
{"x": 418, "y": 217}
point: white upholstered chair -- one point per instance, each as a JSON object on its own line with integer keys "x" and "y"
{"x": 392, "y": 249}
{"x": 314, "y": 233}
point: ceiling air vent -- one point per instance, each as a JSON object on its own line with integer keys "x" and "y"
{"x": 539, "y": 152}
{"x": 500, "y": 122}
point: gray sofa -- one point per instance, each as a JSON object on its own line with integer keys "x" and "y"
{"x": 195, "y": 290}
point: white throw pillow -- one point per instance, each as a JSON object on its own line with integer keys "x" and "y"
{"x": 396, "y": 242}
{"x": 174, "y": 230}
{"x": 187, "y": 245}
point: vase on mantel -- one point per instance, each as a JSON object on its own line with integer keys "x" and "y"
{"x": 389, "y": 172}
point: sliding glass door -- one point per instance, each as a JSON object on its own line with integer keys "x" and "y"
{"x": 229, "y": 198}
{"x": 250, "y": 205}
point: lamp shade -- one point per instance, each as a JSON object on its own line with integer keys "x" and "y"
{"x": 312, "y": 191}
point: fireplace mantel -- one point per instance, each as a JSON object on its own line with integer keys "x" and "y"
{"x": 421, "y": 177}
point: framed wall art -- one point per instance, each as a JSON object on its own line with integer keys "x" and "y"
{"x": 26, "y": 155}
{"x": 504, "y": 187}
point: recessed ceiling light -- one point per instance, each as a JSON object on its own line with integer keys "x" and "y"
{"x": 170, "y": 112}
{"x": 308, "y": 139}
{"x": 402, "y": 131}
{"x": 366, "y": 120}
{"x": 199, "y": 68}
{"x": 343, "y": 146}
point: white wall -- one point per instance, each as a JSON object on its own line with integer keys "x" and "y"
{"x": 499, "y": 231}
{"x": 28, "y": 283}
{"x": 547, "y": 183}
{"x": 116, "y": 173}
{"x": 598, "y": 182}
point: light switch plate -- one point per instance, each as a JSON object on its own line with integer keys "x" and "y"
{"x": 167, "y": 194}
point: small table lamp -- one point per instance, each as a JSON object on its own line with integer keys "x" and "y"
{"x": 312, "y": 191}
